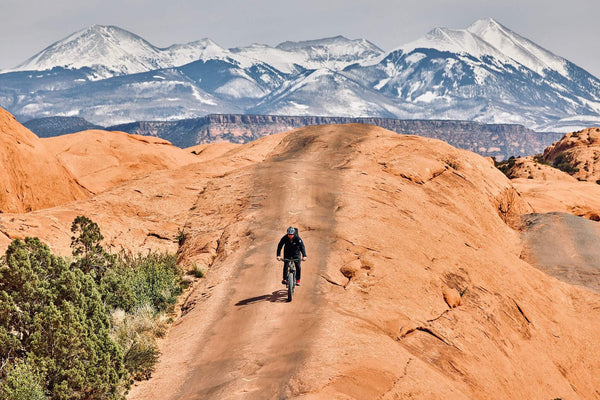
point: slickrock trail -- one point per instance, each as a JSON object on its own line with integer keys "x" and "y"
{"x": 249, "y": 341}
{"x": 394, "y": 225}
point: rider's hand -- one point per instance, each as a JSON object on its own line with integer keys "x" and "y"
{"x": 278, "y": 258}
{"x": 303, "y": 258}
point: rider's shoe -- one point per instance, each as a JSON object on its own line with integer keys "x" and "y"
{"x": 284, "y": 282}
{"x": 297, "y": 283}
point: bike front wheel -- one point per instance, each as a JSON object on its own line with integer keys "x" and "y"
{"x": 291, "y": 282}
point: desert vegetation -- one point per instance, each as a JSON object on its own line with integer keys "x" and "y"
{"x": 505, "y": 165}
{"x": 81, "y": 328}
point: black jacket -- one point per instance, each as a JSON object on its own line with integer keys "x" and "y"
{"x": 291, "y": 247}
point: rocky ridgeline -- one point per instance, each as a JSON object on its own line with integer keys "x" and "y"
{"x": 494, "y": 140}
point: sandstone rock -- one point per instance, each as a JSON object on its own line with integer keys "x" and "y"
{"x": 579, "y": 152}
{"x": 452, "y": 297}
{"x": 351, "y": 269}
{"x": 578, "y": 198}
{"x": 101, "y": 159}
{"x": 517, "y": 325}
{"x": 529, "y": 168}
{"x": 32, "y": 178}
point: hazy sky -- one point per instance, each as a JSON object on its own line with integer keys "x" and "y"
{"x": 570, "y": 29}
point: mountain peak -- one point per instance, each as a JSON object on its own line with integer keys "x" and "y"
{"x": 109, "y": 50}
{"x": 489, "y": 22}
{"x": 488, "y": 26}
{"x": 455, "y": 41}
{"x": 329, "y": 42}
{"x": 115, "y": 50}
{"x": 488, "y": 37}
{"x": 516, "y": 47}
{"x": 100, "y": 33}
{"x": 335, "y": 52}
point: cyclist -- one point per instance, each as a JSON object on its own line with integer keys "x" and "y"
{"x": 293, "y": 246}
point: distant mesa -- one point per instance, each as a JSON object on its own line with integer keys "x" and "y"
{"x": 56, "y": 126}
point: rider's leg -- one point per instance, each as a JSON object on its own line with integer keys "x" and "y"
{"x": 298, "y": 270}
{"x": 285, "y": 269}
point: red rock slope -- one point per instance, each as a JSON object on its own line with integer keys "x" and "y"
{"x": 31, "y": 178}
{"x": 102, "y": 159}
{"x": 397, "y": 228}
{"x": 414, "y": 286}
{"x": 580, "y": 151}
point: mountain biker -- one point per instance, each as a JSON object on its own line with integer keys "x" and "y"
{"x": 293, "y": 246}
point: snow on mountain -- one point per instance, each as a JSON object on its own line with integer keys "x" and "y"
{"x": 325, "y": 92}
{"x": 334, "y": 53}
{"x": 164, "y": 95}
{"x": 181, "y": 54}
{"x": 287, "y": 62}
{"x": 454, "y": 41}
{"x": 487, "y": 37}
{"x": 112, "y": 51}
{"x": 233, "y": 80}
{"x": 517, "y": 47}
{"x": 485, "y": 73}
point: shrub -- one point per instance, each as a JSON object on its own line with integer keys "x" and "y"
{"x": 197, "y": 271}
{"x": 155, "y": 280}
{"x": 53, "y": 315}
{"x": 22, "y": 382}
{"x": 133, "y": 281}
{"x": 141, "y": 357}
{"x": 44, "y": 305}
{"x": 563, "y": 163}
{"x": 135, "y": 334}
{"x": 539, "y": 158}
{"x": 180, "y": 237}
{"x": 505, "y": 165}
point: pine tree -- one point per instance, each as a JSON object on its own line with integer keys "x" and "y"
{"x": 91, "y": 257}
{"x": 53, "y": 316}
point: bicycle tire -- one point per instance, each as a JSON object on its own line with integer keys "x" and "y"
{"x": 290, "y": 285}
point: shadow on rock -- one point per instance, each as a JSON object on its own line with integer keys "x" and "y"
{"x": 278, "y": 296}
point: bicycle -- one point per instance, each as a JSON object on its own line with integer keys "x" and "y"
{"x": 291, "y": 276}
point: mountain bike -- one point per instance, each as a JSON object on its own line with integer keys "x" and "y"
{"x": 291, "y": 276}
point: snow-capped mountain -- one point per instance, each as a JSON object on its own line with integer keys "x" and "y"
{"x": 342, "y": 97}
{"x": 111, "y": 51}
{"x": 334, "y": 53}
{"x": 517, "y": 48}
{"x": 285, "y": 61}
{"x": 484, "y": 73}
{"x": 106, "y": 49}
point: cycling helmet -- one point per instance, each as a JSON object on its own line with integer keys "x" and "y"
{"x": 291, "y": 231}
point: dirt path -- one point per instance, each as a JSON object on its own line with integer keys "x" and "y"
{"x": 242, "y": 339}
